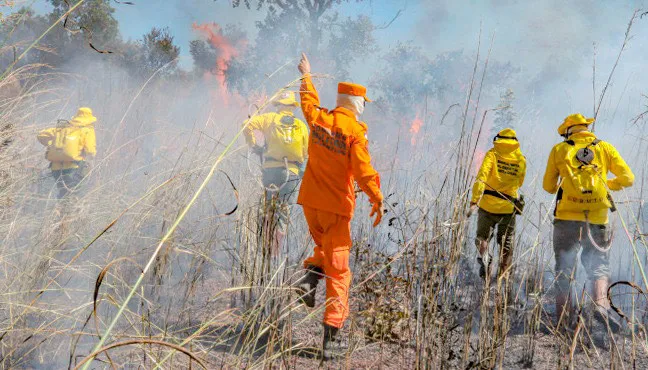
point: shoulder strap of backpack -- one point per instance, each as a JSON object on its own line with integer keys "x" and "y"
{"x": 559, "y": 197}
{"x": 572, "y": 143}
{"x": 287, "y": 119}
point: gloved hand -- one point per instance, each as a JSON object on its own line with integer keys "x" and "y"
{"x": 613, "y": 184}
{"x": 471, "y": 210}
{"x": 377, "y": 210}
{"x": 256, "y": 149}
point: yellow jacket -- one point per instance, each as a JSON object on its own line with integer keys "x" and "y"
{"x": 283, "y": 139}
{"x": 503, "y": 170}
{"x": 608, "y": 160}
{"x": 85, "y": 134}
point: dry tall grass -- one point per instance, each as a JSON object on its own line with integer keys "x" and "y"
{"x": 216, "y": 297}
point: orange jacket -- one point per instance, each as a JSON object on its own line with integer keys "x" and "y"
{"x": 337, "y": 156}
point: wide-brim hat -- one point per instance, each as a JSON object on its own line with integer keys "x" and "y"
{"x": 352, "y": 89}
{"x": 576, "y": 119}
{"x": 287, "y": 98}
{"x": 84, "y": 117}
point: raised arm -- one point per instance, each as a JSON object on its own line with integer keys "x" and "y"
{"x": 310, "y": 103}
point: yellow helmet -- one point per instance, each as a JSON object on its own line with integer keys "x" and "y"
{"x": 507, "y": 135}
{"x": 507, "y": 138}
{"x": 576, "y": 119}
{"x": 83, "y": 117}
{"x": 286, "y": 98}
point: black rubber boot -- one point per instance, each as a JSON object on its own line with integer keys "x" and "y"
{"x": 484, "y": 267}
{"x": 307, "y": 285}
{"x": 328, "y": 345}
{"x": 605, "y": 317}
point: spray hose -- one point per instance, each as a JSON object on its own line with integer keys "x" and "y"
{"x": 272, "y": 188}
{"x": 613, "y": 209}
{"x": 608, "y": 244}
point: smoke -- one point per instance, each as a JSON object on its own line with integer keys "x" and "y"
{"x": 551, "y": 41}
{"x": 226, "y": 50}
{"x": 174, "y": 129}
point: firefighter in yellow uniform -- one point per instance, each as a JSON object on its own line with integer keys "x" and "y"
{"x": 69, "y": 146}
{"x": 284, "y": 157}
{"x": 495, "y": 193}
{"x": 577, "y": 170}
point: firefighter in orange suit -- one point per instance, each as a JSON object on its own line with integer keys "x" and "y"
{"x": 338, "y": 157}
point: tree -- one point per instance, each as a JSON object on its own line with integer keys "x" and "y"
{"x": 311, "y": 11}
{"x": 203, "y": 55}
{"x": 408, "y": 76}
{"x": 404, "y": 79}
{"x": 92, "y": 20}
{"x": 17, "y": 31}
{"x": 334, "y": 43}
{"x": 157, "y": 50}
{"x": 505, "y": 114}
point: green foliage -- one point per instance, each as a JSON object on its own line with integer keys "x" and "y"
{"x": 94, "y": 20}
{"x": 203, "y": 55}
{"x": 313, "y": 6}
{"x": 352, "y": 35}
{"x": 406, "y": 78}
{"x": 334, "y": 43}
{"x": 157, "y": 50}
{"x": 409, "y": 76}
{"x": 16, "y": 30}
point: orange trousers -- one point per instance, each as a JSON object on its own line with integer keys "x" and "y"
{"x": 332, "y": 235}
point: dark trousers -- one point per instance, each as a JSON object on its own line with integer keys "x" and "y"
{"x": 568, "y": 239}
{"x": 487, "y": 223}
{"x": 67, "y": 181}
{"x": 281, "y": 187}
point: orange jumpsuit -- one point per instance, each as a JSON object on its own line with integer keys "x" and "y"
{"x": 338, "y": 156}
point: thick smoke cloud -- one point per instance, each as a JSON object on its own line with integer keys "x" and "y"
{"x": 551, "y": 41}
{"x": 150, "y": 132}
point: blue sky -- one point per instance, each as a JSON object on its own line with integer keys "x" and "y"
{"x": 550, "y": 40}
{"x": 178, "y": 15}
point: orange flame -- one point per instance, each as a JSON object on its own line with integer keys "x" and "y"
{"x": 226, "y": 51}
{"x": 415, "y": 127}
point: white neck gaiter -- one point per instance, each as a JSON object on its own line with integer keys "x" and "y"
{"x": 355, "y": 104}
